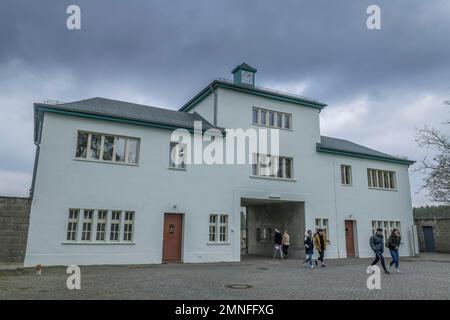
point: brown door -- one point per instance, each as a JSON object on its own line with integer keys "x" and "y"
{"x": 349, "y": 238}
{"x": 172, "y": 237}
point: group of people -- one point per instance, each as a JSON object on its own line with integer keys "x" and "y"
{"x": 393, "y": 244}
{"x": 282, "y": 243}
{"x": 317, "y": 242}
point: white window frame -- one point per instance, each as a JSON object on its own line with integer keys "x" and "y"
{"x": 178, "y": 146}
{"x": 323, "y": 223}
{"x": 116, "y": 224}
{"x": 272, "y": 171}
{"x": 346, "y": 175}
{"x": 73, "y": 231}
{"x": 276, "y": 114}
{"x": 376, "y": 179}
{"x": 102, "y": 142}
{"x": 87, "y": 225}
{"x": 128, "y": 226}
{"x": 215, "y": 228}
{"x": 387, "y": 226}
{"x": 99, "y": 222}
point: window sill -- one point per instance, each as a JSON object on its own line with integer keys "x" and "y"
{"x": 382, "y": 189}
{"x": 270, "y": 127}
{"x": 218, "y": 243}
{"x": 107, "y": 162}
{"x": 273, "y": 178}
{"x": 98, "y": 243}
{"x": 177, "y": 169}
{"x": 347, "y": 185}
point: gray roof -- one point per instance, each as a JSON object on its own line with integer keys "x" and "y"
{"x": 131, "y": 111}
{"x": 345, "y": 147}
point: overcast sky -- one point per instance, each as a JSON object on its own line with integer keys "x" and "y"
{"x": 379, "y": 84}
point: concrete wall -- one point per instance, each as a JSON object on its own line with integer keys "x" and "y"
{"x": 441, "y": 231}
{"x": 284, "y": 216}
{"x": 14, "y": 220}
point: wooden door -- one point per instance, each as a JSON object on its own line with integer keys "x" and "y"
{"x": 173, "y": 235}
{"x": 349, "y": 238}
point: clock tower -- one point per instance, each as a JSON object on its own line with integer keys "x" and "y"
{"x": 243, "y": 74}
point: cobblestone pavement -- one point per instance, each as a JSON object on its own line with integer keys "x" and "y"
{"x": 288, "y": 279}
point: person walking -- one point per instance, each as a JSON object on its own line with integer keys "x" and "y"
{"x": 320, "y": 243}
{"x": 285, "y": 243}
{"x": 278, "y": 239}
{"x": 393, "y": 244}
{"x": 377, "y": 245}
{"x": 309, "y": 249}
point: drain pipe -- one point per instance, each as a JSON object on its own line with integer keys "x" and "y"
{"x": 335, "y": 208}
{"x": 215, "y": 106}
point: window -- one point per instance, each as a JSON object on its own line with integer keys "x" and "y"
{"x": 346, "y": 174}
{"x": 82, "y": 142}
{"x": 94, "y": 152}
{"x": 223, "y": 228}
{"x": 287, "y": 121}
{"x": 85, "y": 218}
{"x": 255, "y": 114}
{"x": 87, "y": 225}
{"x": 212, "y": 227}
{"x": 387, "y": 227}
{"x": 263, "y": 117}
{"x": 270, "y": 118}
{"x": 177, "y": 156}
{"x": 218, "y": 222}
{"x": 72, "y": 224}
{"x": 115, "y": 226}
{"x": 381, "y": 179}
{"x": 279, "y": 120}
{"x": 101, "y": 225}
{"x": 263, "y": 234}
{"x": 128, "y": 226}
{"x": 107, "y": 148}
{"x": 272, "y": 166}
{"x": 322, "y": 224}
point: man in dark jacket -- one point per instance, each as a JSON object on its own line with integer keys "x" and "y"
{"x": 278, "y": 239}
{"x": 377, "y": 245}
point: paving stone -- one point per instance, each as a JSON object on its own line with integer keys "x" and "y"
{"x": 341, "y": 279}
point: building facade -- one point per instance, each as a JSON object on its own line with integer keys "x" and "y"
{"x": 106, "y": 191}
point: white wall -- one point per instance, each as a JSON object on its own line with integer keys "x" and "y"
{"x": 150, "y": 189}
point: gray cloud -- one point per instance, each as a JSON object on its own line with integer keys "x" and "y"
{"x": 379, "y": 85}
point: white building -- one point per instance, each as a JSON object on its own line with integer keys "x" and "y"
{"x": 105, "y": 191}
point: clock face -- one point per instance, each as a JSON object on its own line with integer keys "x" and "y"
{"x": 247, "y": 77}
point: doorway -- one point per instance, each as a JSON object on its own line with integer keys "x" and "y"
{"x": 429, "y": 238}
{"x": 350, "y": 238}
{"x": 172, "y": 237}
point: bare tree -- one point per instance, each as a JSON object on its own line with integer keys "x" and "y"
{"x": 437, "y": 170}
